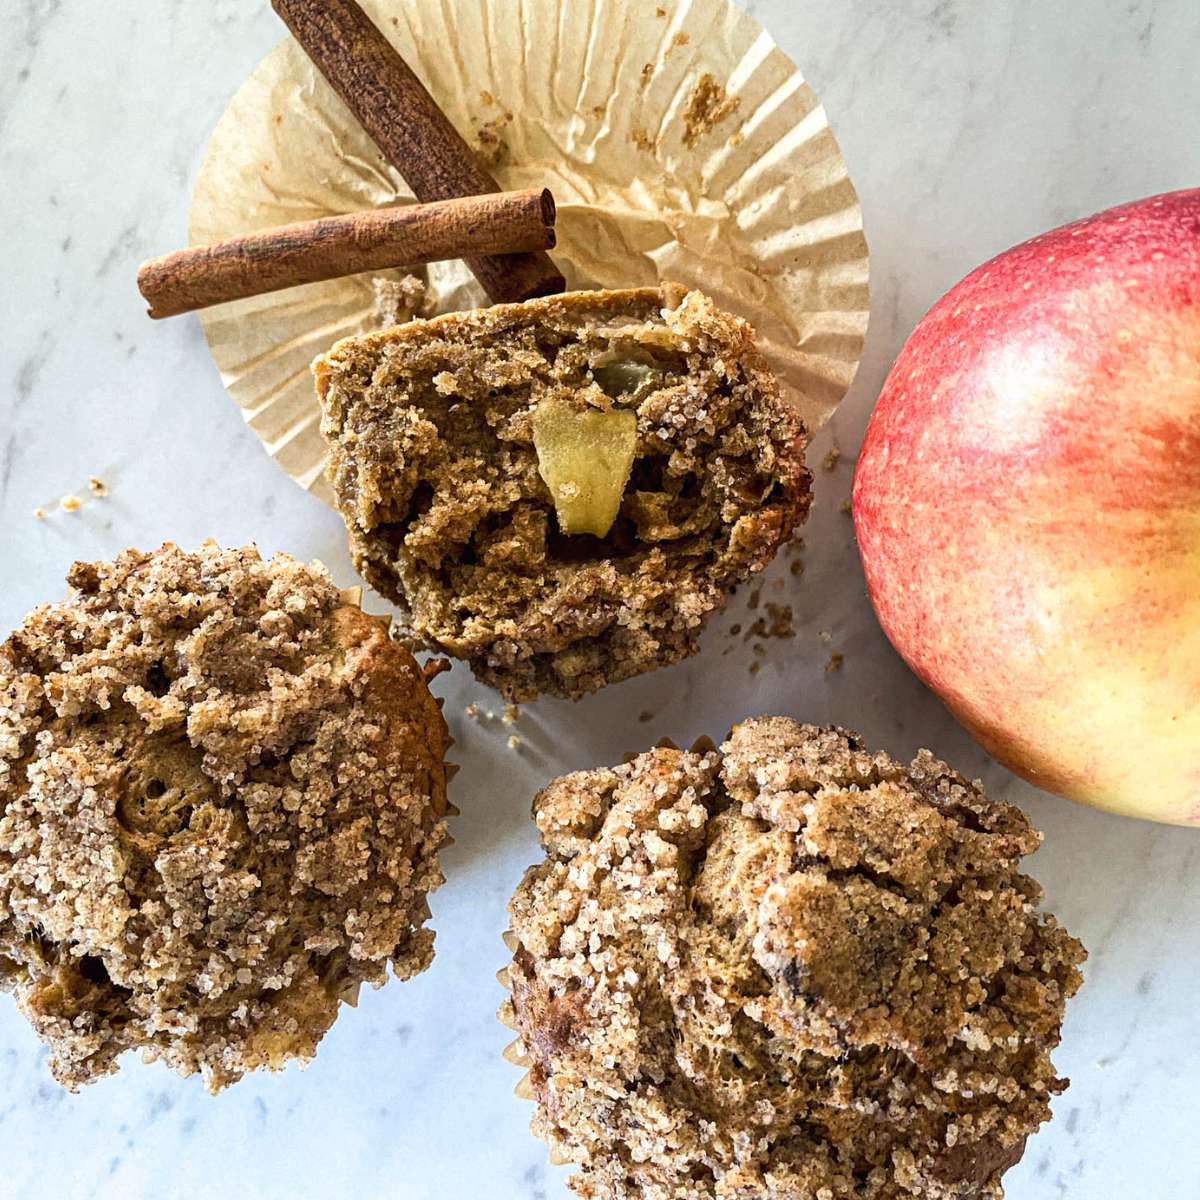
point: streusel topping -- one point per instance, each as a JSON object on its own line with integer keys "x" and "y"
{"x": 786, "y": 968}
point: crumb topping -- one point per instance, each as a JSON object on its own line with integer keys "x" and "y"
{"x": 435, "y": 471}
{"x": 786, "y": 968}
{"x": 221, "y": 800}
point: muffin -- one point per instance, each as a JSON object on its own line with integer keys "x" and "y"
{"x": 785, "y": 968}
{"x": 222, "y": 792}
{"x": 560, "y": 492}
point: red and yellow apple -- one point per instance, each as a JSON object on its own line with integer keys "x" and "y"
{"x": 1027, "y": 505}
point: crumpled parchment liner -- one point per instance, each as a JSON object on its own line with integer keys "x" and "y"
{"x": 603, "y": 101}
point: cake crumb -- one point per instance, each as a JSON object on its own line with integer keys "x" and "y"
{"x": 835, "y": 662}
{"x": 778, "y": 623}
{"x": 755, "y": 598}
{"x": 398, "y": 301}
{"x": 642, "y": 140}
{"x": 514, "y": 742}
{"x": 472, "y": 711}
{"x": 40, "y": 513}
{"x": 512, "y": 714}
{"x": 486, "y": 99}
{"x": 491, "y": 147}
{"x": 734, "y": 630}
{"x": 97, "y": 486}
{"x": 844, "y": 507}
{"x": 645, "y": 715}
{"x": 598, "y": 111}
{"x": 660, "y": 12}
{"x": 71, "y": 504}
{"x": 680, "y": 39}
{"x": 830, "y": 461}
{"x": 647, "y": 74}
{"x": 755, "y": 667}
{"x": 797, "y": 566}
{"x": 708, "y": 105}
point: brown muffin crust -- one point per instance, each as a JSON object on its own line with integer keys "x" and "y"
{"x": 435, "y": 472}
{"x": 787, "y": 968}
{"x": 221, "y": 800}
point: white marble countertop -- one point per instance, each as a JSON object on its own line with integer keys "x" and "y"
{"x": 968, "y": 126}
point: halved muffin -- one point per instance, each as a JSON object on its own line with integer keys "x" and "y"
{"x": 560, "y": 492}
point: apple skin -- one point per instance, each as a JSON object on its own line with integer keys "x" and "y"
{"x": 1027, "y": 506}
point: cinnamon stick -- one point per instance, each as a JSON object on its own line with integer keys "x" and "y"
{"x": 416, "y": 137}
{"x": 335, "y": 246}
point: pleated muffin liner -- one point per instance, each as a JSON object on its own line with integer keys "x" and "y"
{"x": 680, "y": 142}
{"x": 515, "y": 1052}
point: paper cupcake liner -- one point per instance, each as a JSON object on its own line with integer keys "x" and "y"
{"x": 516, "y": 1053}
{"x": 680, "y": 143}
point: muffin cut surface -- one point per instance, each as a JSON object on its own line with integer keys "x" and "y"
{"x": 789, "y": 969}
{"x": 221, "y": 800}
{"x": 431, "y": 428}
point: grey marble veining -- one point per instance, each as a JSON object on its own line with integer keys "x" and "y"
{"x": 968, "y": 126}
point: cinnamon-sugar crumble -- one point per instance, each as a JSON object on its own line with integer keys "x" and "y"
{"x": 222, "y": 790}
{"x": 785, "y": 968}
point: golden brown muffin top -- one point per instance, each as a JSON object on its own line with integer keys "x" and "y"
{"x": 222, "y": 791}
{"x": 786, "y": 968}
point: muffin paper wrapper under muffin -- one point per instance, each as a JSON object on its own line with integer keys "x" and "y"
{"x": 591, "y": 99}
{"x": 515, "y": 1051}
